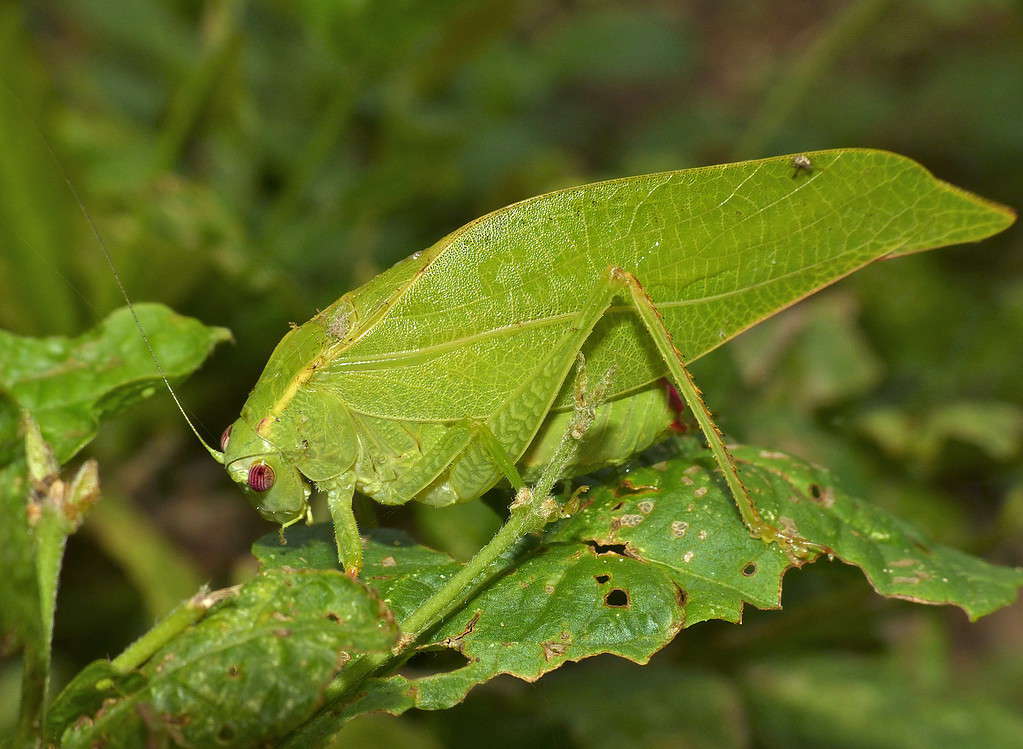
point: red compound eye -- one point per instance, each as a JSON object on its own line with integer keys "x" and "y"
{"x": 225, "y": 436}
{"x": 261, "y": 477}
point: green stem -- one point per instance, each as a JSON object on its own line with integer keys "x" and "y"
{"x": 51, "y": 538}
{"x": 168, "y": 628}
{"x": 477, "y": 571}
{"x": 793, "y": 85}
{"x": 488, "y": 563}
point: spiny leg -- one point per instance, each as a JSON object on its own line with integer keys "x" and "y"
{"x": 654, "y": 323}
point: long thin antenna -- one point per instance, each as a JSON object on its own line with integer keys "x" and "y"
{"x": 217, "y": 455}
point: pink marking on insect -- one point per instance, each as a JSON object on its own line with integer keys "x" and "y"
{"x": 676, "y": 404}
{"x": 261, "y": 477}
{"x": 225, "y": 436}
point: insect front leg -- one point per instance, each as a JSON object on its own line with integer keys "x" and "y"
{"x": 340, "y": 491}
{"x": 795, "y": 546}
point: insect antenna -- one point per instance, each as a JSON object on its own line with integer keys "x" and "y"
{"x": 94, "y": 229}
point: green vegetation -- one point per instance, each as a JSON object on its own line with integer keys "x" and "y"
{"x": 247, "y": 162}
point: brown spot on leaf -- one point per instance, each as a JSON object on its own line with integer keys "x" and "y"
{"x": 388, "y": 562}
{"x": 629, "y": 521}
{"x": 234, "y": 671}
{"x": 823, "y": 496}
{"x": 679, "y": 528}
{"x": 282, "y": 632}
{"x": 333, "y": 617}
{"x": 553, "y": 649}
{"x": 681, "y": 596}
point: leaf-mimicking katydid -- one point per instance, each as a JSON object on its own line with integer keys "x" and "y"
{"x": 447, "y": 372}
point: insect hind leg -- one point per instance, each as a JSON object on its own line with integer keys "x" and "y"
{"x": 794, "y": 546}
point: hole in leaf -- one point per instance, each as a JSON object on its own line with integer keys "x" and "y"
{"x": 225, "y": 734}
{"x": 815, "y": 491}
{"x": 617, "y": 599}
{"x": 618, "y": 506}
{"x": 750, "y": 569}
{"x": 618, "y": 549}
{"x": 602, "y": 578}
{"x": 333, "y": 617}
{"x": 430, "y": 662}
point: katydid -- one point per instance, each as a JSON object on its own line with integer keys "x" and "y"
{"x": 449, "y": 371}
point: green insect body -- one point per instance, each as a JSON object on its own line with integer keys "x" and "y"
{"x": 418, "y": 384}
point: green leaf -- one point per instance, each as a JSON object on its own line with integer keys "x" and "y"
{"x": 69, "y": 384}
{"x": 63, "y": 387}
{"x": 249, "y": 672}
{"x": 658, "y": 549}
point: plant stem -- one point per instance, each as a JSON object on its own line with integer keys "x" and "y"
{"x": 793, "y": 85}
{"x": 180, "y": 618}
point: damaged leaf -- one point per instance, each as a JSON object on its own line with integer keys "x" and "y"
{"x": 659, "y": 550}
{"x": 250, "y": 671}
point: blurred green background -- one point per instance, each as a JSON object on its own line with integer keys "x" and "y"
{"x": 247, "y": 162}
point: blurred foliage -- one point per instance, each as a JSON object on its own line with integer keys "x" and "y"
{"x": 249, "y": 161}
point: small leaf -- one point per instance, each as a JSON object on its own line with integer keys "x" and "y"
{"x": 69, "y": 384}
{"x": 250, "y": 671}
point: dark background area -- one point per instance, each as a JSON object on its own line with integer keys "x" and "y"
{"x": 248, "y": 162}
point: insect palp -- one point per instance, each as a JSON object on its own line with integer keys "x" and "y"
{"x": 261, "y": 477}
{"x": 801, "y": 163}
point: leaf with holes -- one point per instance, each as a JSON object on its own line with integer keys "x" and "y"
{"x": 659, "y": 549}
{"x": 250, "y": 671}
